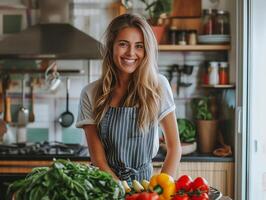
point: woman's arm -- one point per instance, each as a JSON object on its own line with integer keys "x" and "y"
{"x": 96, "y": 149}
{"x": 173, "y": 156}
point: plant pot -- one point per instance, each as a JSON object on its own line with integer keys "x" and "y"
{"x": 158, "y": 32}
{"x": 207, "y": 135}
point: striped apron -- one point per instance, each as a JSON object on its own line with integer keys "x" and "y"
{"x": 128, "y": 150}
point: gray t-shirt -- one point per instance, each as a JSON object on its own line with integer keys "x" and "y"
{"x": 86, "y": 105}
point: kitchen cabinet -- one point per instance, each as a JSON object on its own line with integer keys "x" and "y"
{"x": 25, "y": 166}
{"x": 219, "y": 175}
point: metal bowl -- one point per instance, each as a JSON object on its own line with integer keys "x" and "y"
{"x": 214, "y": 194}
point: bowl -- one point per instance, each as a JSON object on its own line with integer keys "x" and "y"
{"x": 187, "y": 148}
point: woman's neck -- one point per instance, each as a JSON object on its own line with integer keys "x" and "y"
{"x": 123, "y": 82}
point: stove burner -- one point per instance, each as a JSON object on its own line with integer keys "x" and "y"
{"x": 44, "y": 148}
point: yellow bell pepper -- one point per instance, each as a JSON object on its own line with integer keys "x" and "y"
{"x": 164, "y": 185}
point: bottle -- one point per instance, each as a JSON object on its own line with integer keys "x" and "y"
{"x": 223, "y": 73}
{"x": 214, "y": 73}
{"x": 182, "y": 37}
{"x": 192, "y": 37}
{"x": 222, "y": 25}
{"x": 173, "y": 35}
{"x": 208, "y": 21}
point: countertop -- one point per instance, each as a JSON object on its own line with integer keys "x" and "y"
{"x": 194, "y": 157}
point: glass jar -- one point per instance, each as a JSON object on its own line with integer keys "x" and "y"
{"x": 173, "y": 35}
{"x": 182, "y": 37}
{"x": 223, "y": 73}
{"x": 222, "y": 25}
{"x": 192, "y": 37}
{"x": 208, "y": 21}
{"x": 213, "y": 73}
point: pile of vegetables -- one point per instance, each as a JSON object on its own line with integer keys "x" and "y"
{"x": 187, "y": 130}
{"x": 188, "y": 189}
{"x": 160, "y": 187}
{"x": 65, "y": 180}
{"x": 163, "y": 187}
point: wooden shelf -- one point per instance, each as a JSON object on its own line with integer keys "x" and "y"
{"x": 39, "y": 71}
{"x": 169, "y": 47}
{"x": 228, "y": 86}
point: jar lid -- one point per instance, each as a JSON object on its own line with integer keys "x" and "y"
{"x": 222, "y": 12}
{"x": 223, "y": 64}
{"x": 213, "y": 64}
{"x": 192, "y": 31}
{"x": 173, "y": 28}
{"x": 209, "y": 11}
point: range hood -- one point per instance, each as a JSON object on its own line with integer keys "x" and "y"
{"x": 50, "y": 41}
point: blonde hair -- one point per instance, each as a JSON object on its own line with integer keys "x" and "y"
{"x": 144, "y": 90}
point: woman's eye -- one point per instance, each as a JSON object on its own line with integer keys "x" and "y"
{"x": 123, "y": 44}
{"x": 139, "y": 46}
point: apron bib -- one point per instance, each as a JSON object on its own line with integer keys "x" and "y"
{"x": 128, "y": 150}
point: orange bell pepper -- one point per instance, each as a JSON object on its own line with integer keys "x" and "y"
{"x": 164, "y": 185}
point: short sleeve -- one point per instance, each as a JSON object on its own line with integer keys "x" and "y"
{"x": 85, "y": 109}
{"x": 167, "y": 103}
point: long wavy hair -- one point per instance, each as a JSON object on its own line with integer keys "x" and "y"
{"x": 144, "y": 90}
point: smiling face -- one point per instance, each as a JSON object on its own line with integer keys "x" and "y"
{"x": 128, "y": 50}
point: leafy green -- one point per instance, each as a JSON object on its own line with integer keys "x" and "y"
{"x": 201, "y": 108}
{"x": 65, "y": 180}
{"x": 187, "y": 130}
{"x": 156, "y": 8}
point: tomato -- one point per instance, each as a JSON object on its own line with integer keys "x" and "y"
{"x": 143, "y": 196}
{"x": 202, "y": 196}
{"x": 200, "y": 184}
{"x": 148, "y": 196}
{"x": 132, "y": 197}
{"x": 181, "y": 197}
{"x": 183, "y": 183}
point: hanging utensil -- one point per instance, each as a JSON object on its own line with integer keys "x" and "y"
{"x": 23, "y": 113}
{"x": 66, "y": 119}
{"x": 7, "y": 99}
{"x": 31, "y": 114}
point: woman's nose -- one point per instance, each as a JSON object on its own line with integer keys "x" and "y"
{"x": 130, "y": 50}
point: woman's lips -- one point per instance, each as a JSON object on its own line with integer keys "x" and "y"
{"x": 127, "y": 61}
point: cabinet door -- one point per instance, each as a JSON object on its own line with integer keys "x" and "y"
{"x": 219, "y": 175}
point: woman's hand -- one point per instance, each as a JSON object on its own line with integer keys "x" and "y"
{"x": 97, "y": 154}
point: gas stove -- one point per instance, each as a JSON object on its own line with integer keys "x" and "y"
{"x": 44, "y": 149}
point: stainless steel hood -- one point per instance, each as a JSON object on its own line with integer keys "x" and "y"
{"x": 52, "y": 41}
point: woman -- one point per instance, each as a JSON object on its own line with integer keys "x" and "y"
{"x": 120, "y": 112}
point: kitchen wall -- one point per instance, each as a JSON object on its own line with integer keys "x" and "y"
{"x": 92, "y": 17}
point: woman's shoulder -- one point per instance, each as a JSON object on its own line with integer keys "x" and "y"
{"x": 162, "y": 80}
{"x": 91, "y": 87}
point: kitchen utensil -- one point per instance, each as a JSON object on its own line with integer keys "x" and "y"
{"x": 7, "y": 99}
{"x": 66, "y": 118}
{"x": 31, "y": 114}
{"x": 52, "y": 77}
{"x": 23, "y": 113}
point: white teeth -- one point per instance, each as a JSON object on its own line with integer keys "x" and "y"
{"x": 129, "y": 61}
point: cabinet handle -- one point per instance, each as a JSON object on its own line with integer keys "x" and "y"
{"x": 239, "y": 120}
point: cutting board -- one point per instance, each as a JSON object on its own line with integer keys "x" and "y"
{"x": 186, "y": 8}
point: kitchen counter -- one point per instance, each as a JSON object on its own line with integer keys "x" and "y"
{"x": 194, "y": 157}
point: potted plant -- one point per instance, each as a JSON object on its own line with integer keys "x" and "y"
{"x": 187, "y": 134}
{"x": 207, "y": 125}
{"x": 157, "y": 9}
